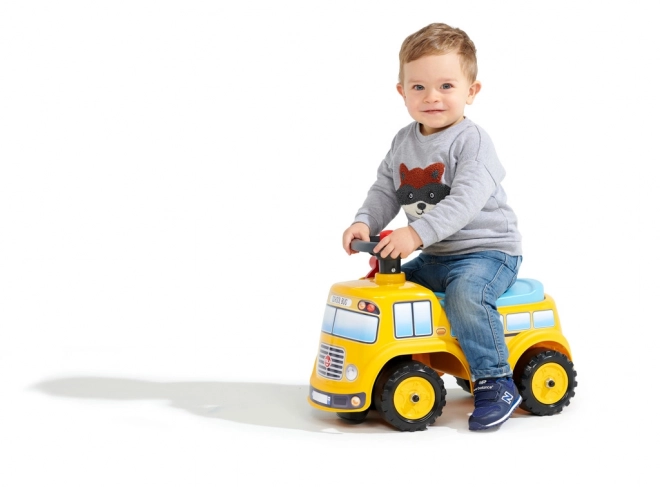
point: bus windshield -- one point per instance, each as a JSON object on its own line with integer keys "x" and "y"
{"x": 349, "y": 324}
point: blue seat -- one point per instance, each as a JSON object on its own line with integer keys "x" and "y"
{"x": 523, "y": 291}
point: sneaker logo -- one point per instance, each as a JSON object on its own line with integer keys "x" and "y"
{"x": 507, "y": 397}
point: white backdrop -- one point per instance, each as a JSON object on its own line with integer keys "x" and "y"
{"x": 175, "y": 178}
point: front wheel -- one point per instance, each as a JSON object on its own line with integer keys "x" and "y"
{"x": 409, "y": 395}
{"x": 546, "y": 382}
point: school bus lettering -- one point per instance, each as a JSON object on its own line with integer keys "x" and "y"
{"x": 340, "y": 300}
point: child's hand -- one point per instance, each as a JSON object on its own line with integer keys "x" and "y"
{"x": 358, "y": 230}
{"x": 400, "y": 243}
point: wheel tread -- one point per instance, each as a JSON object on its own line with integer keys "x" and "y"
{"x": 524, "y": 383}
{"x": 386, "y": 386}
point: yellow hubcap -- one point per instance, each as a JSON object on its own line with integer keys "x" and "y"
{"x": 550, "y": 383}
{"x": 414, "y": 398}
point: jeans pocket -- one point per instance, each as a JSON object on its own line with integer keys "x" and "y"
{"x": 518, "y": 263}
{"x": 513, "y": 264}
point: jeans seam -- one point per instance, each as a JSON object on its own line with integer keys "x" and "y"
{"x": 490, "y": 322}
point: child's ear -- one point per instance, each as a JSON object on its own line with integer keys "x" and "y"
{"x": 472, "y": 91}
{"x": 399, "y": 88}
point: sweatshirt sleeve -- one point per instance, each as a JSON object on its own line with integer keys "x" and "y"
{"x": 477, "y": 174}
{"x": 381, "y": 205}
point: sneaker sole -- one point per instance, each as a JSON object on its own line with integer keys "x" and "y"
{"x": 479, "y": 427}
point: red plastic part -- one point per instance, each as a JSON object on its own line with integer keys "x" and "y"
{"x": 373, "y": 263}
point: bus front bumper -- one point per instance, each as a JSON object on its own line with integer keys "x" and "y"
{"x": 337, "y": 402}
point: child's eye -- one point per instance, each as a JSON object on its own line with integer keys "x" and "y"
{"x": 446, "y": 86}
{"x": 417, "y": 87}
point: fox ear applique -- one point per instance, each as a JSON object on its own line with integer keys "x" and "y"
{"x": 418, "y": 178}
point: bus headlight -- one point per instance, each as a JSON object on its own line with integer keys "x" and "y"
{"x": 351, "y": 372}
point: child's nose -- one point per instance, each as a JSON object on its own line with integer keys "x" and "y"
{"x": 432, "y": 96}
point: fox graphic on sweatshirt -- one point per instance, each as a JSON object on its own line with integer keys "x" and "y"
{"x": 421, "y": 189}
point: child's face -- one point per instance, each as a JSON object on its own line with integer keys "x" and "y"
{"x": 435, "y": 91}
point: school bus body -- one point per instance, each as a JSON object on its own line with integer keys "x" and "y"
{"x": 371, "y": 323}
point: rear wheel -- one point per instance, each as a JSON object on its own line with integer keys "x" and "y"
{"x": 546, "y": 382}
{"x": 409, "y": 395}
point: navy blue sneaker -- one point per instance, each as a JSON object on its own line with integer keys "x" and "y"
{"x": 494, "y": 401}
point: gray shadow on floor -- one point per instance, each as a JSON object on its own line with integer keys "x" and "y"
{"x": 258, "y": 404}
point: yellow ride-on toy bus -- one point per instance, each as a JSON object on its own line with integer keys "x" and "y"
{"x": 386, "y": 343}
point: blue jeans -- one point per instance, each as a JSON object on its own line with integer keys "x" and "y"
{"x": 472, "y": 283}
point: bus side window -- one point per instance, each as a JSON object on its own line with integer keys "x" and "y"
{"x": 412, "y": 319}
{"x": 518, "y": 321}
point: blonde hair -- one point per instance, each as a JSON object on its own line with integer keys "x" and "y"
{"x": 439, "y": 38}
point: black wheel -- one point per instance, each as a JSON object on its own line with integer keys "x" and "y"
{"x": 409, "y": 395}
{"x": 546, "y": 382}
{"x": 354, "y": 417}
{"x": 465, "y": 384}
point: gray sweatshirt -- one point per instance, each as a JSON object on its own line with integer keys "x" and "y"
{"x": 449, "y": 185}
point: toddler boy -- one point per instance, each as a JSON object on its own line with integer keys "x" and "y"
{"x": 442, "y": 169}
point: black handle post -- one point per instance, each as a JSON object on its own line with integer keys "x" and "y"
{"x": 386, "y": 265}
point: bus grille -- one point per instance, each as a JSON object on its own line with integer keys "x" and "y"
{"x": 330, "y": 363}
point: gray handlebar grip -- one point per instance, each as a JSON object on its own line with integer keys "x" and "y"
{"x": 362, "y": 246}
